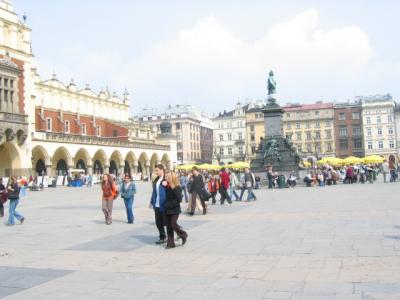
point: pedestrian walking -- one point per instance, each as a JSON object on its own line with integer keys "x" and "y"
{"x": 173, "y": 201}
{"x": 233, "y": 183}
{"x": 128, "y": 191}
{"x": 197, "y": 190}
{"x": 213, "y": 187}
{"x": 385, "y": 170}
{"x": 270, "y": 177}
{"x": 157, "y": 202}
{"x": 13, "y": 190}
{"x": 249, "y": 182}
{"x": 183, "y": 180}
{"x": 3, "y": 197}
{"x": 110, "y": 193}
{"x": 224, "y": 186}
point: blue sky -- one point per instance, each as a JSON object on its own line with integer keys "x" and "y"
{"x": 212, "y": 53}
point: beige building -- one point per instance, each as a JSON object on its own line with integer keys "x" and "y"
{"x": 379, "y": 125}
{"x": 311, "y": 127}
{"x": 230, "y": 135}
{"x": 193, "y": 130}
{"x": 255, "y": 129}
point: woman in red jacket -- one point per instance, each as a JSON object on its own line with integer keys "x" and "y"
{"x": 213, "y": 187}
{"x": 110, "y": 192}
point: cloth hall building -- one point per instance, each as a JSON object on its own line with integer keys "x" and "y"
{"x": 47, "y": 127}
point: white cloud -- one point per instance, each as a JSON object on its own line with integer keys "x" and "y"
{"x": 210, "y": 66}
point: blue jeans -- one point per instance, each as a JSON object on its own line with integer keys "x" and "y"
{"x": 232, "y": 192}
{"x": 184, "y": 190}
{"x": 128, "y": 205}
{"x": 13, "y": 213}
{"x": 250, "y": 194}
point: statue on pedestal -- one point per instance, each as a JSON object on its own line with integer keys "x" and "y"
{"x": 271, "y": 88}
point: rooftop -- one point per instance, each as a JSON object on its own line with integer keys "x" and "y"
{"x": 301, "y": 107}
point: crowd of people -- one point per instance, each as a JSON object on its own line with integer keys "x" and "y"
{"x": 198, "y": 189}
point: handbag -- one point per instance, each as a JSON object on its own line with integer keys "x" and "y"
{"x": 3, "y": 197}
{"x": 205, "y": 194}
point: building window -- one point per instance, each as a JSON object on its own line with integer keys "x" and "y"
{"x": 368, "y": 119}
{"x": 299, "y": 147}
{"x": 240, "y": 150}
{"x": 356, "y": 130}
{"x": 83, "y": 129}
{"x": 378, "y": 119}
{"x": 369, "y": 131}
{"x": 49, "y": 124}
{"x": 342, "y": 116}
{"x": 307, "y": 125}
{"x": 229, "y": 151}
{"x": 221, "y": 151}
{"x": 357, "y": 144}
{"x": 252, "y": 137}
{"x": 318, "y": 147}
{"x": 251, "y": 127}
{"x": 329, "y": 147}
{"x": 178, "y": 126}
{"x": 391, "y": 144}
{"x": 343, "y": 145}
{"x": 221, "y": 137}
{"x": 327, "y": 123}
{"x": 380, "y": 144}
{"x": 379, "y": 130}
{"x": 308, "y": 133}
{"x": 356, "y": 115}
{"x": 66, "y": 126}
{"x": 298, "y": 136}
{"x": 229, "y": 136}
{"x": 317, "y": 112}
{"x": 328, "y": 134}
{"x": 288, "y": 115}
{"x": 390, "y": 130}
{"x": 309, "y": 148}
{"x": 390, "y": 119}
{"x": 240, "y": 136}
{"x": 98, "y": 130}
{"x": 342, "y": 131}
{"x": 317, "y": 124}
{"x": 253, "y": 149}
{"x": 318, "y": 134}
{"x": 288, "y": 125}
{"x": 115, "y": 132}
{"x": 370, "y": 145}
{"x": 298, "y": 125}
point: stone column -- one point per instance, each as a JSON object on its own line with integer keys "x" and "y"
{"x": 147, "y": 167}
{"x": 121, "y": 171}
{"x": 106, "y": 169}
{"x": 90, "y": 170}
{"x": 48, "y": 170}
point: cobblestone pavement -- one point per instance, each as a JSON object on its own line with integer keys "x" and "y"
{"x": 340, "y": 242}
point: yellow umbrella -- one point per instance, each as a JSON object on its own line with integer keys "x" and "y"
{"x": 373, "y": 159}
{"x": 209, "y": 167}
{"x": 185, "y": 167}
{"x": 239, "y": 165}
{"x": 351, "y": 160}
{"x": 330, "y": 160}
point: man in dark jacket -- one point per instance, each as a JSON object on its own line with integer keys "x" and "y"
{"x": 224, "y": 186}
{"x": 3, "y": 197}
{"x": 158, "y": 202}
{"x": 197, "y": 189}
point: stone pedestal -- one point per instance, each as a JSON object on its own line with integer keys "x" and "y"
{"x": 276, "y": 150}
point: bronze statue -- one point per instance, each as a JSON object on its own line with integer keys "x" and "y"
{"x": 272, "y": 151}
{"x": 271, "y": 84}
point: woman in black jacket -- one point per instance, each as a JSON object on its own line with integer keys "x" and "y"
{"x": 173, "y": 209}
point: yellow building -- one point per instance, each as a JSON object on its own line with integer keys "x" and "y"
{"x": 254, "y": 128}
{"x": 311, "y": 127}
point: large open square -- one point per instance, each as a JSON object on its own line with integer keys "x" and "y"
{"x": 339, "y": 242}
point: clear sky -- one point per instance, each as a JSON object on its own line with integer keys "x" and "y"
{"x": 211, "y": 53}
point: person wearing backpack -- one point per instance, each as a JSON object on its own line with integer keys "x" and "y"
{"x": 13, "y": 195}
{"x": 110, "y": 193}
{"x": 3, "y": 197}
{"x": 128, "y": 191}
